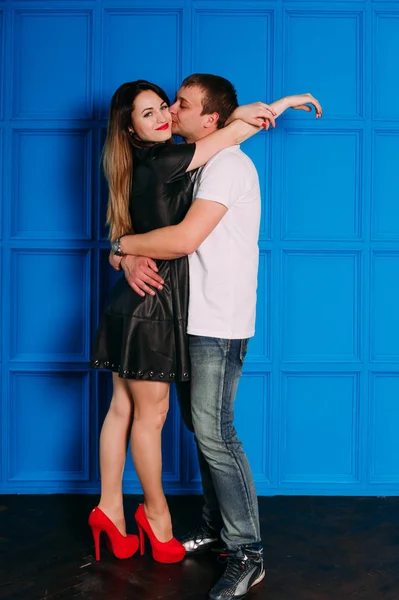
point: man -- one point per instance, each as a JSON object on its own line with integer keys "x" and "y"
{"x": 220, "y": 235}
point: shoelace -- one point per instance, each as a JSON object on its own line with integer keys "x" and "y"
{"x": 235, "y": 566}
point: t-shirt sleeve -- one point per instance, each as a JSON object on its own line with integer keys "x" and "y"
{"x": 170, "y": 162}
{"x": 222, "y": 180}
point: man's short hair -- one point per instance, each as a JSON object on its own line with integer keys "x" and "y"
{"x": 219, "y": 95}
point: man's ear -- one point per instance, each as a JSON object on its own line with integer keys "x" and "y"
{"x": 211, "y": 120}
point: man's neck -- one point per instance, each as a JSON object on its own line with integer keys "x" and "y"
{"x": 196, "y": 138}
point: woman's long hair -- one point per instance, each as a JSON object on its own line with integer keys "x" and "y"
{"x": 117, "y": 153}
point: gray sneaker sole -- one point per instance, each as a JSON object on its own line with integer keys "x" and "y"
{"x": 258, "y": 580}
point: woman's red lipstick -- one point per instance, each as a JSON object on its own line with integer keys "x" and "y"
{"x": 166, "y": 126}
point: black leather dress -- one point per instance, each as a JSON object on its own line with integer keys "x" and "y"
{"x": 146, "y": 337}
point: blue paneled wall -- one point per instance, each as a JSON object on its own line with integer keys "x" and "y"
{"x": 318, "y": 404}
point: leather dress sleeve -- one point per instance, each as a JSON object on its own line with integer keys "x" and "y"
{"x": 170, "y": 162}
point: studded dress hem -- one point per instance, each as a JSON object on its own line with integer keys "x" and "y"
{"x": 140, "y": 375}
{"x": 146, "y": 337}
{"x": 142, "y": 338}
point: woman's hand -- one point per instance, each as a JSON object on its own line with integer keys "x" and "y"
{"x": 258, "y": 114}
{"x": 302, "y": 102}
{"x": 115, "y": 261}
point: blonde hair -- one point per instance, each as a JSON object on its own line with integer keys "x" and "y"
{"x": 118, "y": 170}
{"x": 118, "y": 154}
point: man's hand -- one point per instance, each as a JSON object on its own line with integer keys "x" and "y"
{"x": 115, "y": 261}
{"x": 257, "y": 113}
{"x": 302, "y": 102}
{"x": 141, "y": 272}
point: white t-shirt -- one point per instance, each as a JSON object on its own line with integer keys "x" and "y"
{"x": 224, "y": 269}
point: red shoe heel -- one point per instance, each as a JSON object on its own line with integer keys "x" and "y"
{"x": 141, "y": 539}
{"x": 120, "y": 545}
{"x": 96, "y": 536}
{"x": 163, "y": 552}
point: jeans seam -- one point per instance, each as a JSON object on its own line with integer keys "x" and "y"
{"x": 231, "y": 452}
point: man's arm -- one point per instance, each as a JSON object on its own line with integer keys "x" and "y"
{"x": 177, "y": 240}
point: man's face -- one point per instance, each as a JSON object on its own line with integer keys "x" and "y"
{"x": 187, "y": 120}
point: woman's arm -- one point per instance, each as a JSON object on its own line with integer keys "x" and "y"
{"x": 258, "y": 112}
{"x": 298, "y": 102}
{"x": 237, "y": 132}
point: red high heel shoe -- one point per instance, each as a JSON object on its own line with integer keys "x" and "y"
{"x": 122, "y": 546}
{"x": 163, "y": 552}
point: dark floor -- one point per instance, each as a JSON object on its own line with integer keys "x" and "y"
{"x": 317, "y": 548}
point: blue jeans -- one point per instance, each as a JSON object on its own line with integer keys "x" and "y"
{"x": 231, "y": 505}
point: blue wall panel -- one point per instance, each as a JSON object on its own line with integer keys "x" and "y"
{"x": 317, "y": 405}
{"x": 54, "y": 84}
{"x": 1, "y": 61}
{"x": 334, "y": 71}
{"x": 385, "y": 191}
{"x": 308, "y": 214}
{"x": 48, "y": 424}
{"x": 385, "y": 315}
{"x": 50, "y": 316}
{"x": 319, "y": 435}
{"x": 60, "y": 188}
{"x": 321, "y": 307}
{"x": 384, "y": 439}
{"x": 386, "y": 48}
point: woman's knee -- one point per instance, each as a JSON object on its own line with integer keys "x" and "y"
{"x": 121, "y": 407}
{"x": 151, "y": 420}
{"x": 151, "y": 406}
{"x": 161, "y": 418}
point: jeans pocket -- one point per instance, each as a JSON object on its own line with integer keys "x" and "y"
{"x": 243, "y": 350}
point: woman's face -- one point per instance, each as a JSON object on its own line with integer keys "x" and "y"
{"x": 151, "y": 119}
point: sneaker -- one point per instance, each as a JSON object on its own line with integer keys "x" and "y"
{"x": 200, "y": 539}
{"x": 244, "y": 569}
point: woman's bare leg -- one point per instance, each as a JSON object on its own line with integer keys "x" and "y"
{"x": 113, "y": 445}
{"x": 151, "y": 404}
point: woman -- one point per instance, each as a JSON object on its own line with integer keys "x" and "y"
{"x": 143, "y": 339}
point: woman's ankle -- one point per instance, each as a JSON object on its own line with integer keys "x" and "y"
{"x": 116, "y": 515}
{"x": 115, "y": 510}
{"x": 157, "y": 510}
{"x": 160, "y": 521}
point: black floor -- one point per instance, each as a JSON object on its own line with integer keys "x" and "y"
{"x": 322, "y": 548}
